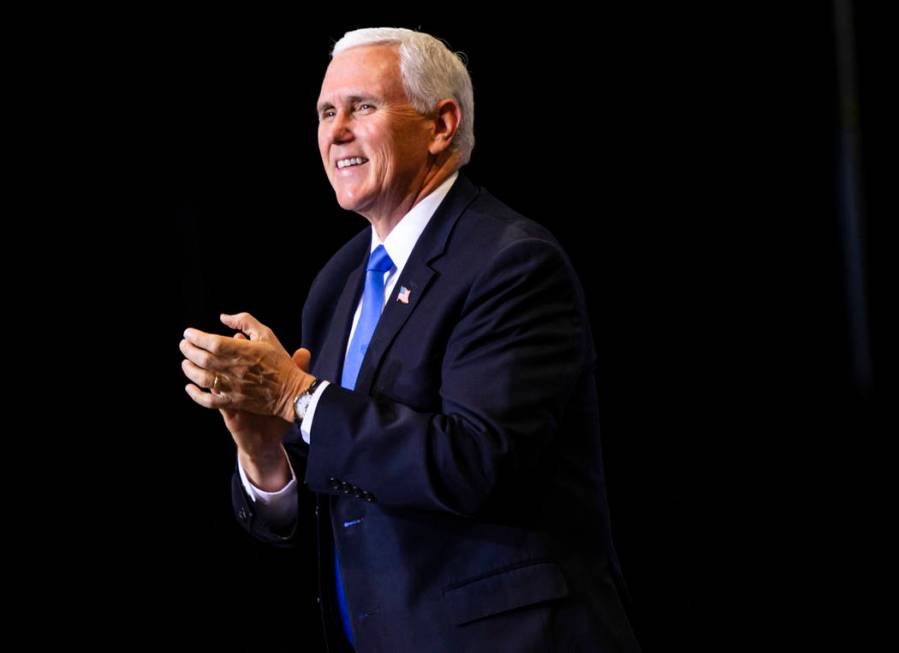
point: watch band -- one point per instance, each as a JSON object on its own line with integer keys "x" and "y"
{"x": 313, "y": 386}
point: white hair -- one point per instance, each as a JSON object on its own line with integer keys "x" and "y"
{"x": 430, "y": 72}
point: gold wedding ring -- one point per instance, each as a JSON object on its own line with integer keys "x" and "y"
{"x": 215, "y": 383}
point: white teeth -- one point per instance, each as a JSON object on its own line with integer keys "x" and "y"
{"x": 352, "y": 161}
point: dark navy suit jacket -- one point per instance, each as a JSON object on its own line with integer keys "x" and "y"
{"x": 462, "y": 478}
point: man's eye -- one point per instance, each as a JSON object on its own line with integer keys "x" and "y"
{"x": 364, "y": 107}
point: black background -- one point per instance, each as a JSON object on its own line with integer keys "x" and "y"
{"x": 686, "y": 159}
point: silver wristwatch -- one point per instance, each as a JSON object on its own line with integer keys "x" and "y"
{"x": 301, "y": 403}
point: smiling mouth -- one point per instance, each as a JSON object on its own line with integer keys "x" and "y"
{"x": 351, "y": 162}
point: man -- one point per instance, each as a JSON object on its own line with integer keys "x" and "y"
{"x": 443, "y": 409}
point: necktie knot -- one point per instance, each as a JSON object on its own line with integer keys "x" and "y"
{"x": 379, "y": 261}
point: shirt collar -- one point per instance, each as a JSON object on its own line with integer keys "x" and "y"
{"x": 404, "y": 235}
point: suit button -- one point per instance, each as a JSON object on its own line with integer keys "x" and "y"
{"x": 318, "y": 599}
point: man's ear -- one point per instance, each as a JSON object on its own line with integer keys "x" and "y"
{"x": 447, "y": 118}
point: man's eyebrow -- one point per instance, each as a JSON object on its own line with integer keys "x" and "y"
{"x": 352, "y": 99}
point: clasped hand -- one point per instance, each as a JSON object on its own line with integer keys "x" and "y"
{"x": 250, "y": 372}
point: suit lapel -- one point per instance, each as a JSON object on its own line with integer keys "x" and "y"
{"x": 416, "y": 277}
{"x": 330, "y": 360}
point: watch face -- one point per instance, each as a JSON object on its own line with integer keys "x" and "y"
{"x": 300, "y": 405}
{"x": 302, "y": 402}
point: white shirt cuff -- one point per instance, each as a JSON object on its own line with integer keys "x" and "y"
{"x": 306, "y": 425}
{"x": 262, "y": 497}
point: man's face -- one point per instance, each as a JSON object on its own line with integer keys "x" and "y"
{"x": 363, "y": 112}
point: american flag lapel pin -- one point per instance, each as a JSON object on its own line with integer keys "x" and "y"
{"x": 403, "y": 296}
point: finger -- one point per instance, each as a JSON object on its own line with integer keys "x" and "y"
{"x": 302, "y": 357}
{"x": 206, "y": 399}
{"x": 211, "y": 342}
{"x": 239, "y": 336}
{"x": 198, "y": 375}
{"x": 246, "y": 323}
{"x": 202, "y": 358}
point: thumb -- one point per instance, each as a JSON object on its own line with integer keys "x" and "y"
{"x": 244, "y": 322}
{"x": 239, "y": 336}
{"x": 302, "y": 357}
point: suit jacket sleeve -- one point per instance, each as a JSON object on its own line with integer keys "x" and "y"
{"x": 245, "y": 509}
{"x": 508, "y": 371}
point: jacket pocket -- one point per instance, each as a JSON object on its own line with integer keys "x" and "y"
{"x": 505, "y": 590}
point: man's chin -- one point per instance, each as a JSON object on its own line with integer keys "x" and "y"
{"x": 349, "y": 202}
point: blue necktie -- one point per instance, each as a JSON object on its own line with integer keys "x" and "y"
{"x": 372, "y": 303}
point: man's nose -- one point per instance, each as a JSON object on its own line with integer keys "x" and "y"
{"x": 340, "y": 129}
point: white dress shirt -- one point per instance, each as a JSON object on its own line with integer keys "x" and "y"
{"x": 277, "y": 508}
